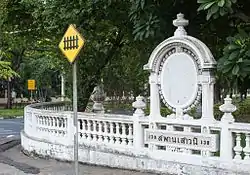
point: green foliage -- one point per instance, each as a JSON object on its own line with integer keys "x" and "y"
{"x": 235, "y": 63}
{"x": 5, "y": 71}
{"x": 165, "y": 111}
{"x": 242, "y": 114}
{"x": 216, "y": 8}
{"x": 146, "y": 26}
{"x": 217, "y": 113}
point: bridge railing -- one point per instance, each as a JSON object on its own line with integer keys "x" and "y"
{"x": 51, "y": 122}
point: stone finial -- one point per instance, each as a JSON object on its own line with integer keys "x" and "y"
{"x": 227, "y": 108}
{"x": 139, "y": 104}
{"x": 180, "y": 23}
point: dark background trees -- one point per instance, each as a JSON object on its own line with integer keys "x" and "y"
{"x": 120, "y": 35}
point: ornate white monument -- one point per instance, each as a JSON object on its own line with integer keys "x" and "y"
{"x": 181, "y": 72}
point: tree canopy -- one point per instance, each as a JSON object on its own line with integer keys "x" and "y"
{"x": 120, "y": 35}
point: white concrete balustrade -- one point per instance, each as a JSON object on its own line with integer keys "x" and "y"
{"x": 101, "y": 130}
{"x": 116, "y": 132}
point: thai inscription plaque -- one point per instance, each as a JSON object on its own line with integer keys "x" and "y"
{"x": 194, "y": 141}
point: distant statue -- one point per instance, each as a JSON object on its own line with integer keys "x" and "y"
{"x": 98, "y": 97}
{"x": 13, "y": 94}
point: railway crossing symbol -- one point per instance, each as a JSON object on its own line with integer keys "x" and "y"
{"x": 71, "y": 43}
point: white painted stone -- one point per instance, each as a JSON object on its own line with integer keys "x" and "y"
{"x": 157, "y": 162}
{"x": 227, "y": 108}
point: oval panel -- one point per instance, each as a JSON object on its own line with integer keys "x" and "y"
{"x": 179, "y": 80}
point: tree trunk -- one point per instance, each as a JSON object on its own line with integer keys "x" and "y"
{"x": 9, "y": 98}
{"x": 89, "y": 87}
{"x": 217, "y": 93}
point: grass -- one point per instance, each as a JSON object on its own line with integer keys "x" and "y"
{"x": 11, "y": 113}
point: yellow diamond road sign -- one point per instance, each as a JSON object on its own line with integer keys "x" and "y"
{"x": 71, "y": 43}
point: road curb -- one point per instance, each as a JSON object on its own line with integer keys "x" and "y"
{"x": 8, "y": 143}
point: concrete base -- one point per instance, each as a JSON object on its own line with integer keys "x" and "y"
{"x": 126, "y": 159}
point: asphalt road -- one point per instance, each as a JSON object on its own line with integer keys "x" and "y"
{"x": 11, "y": 127}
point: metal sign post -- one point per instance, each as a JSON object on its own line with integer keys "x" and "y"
{"x": 75, "y": 119}
{"x": 70, "y": 45}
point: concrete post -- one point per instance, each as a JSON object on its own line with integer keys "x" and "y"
{"x": 208, "y": 96}
{"x": 139, "y": 104}
{"x": 154, "y": 97}
{"x": 226, "y": 142}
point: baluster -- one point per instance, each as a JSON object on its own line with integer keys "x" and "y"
{"x": 83, "y": 130}
{"x": 117, "y": 133}
{"x": 54, "y": 125}
{"x": 170, "y": 128}
{"x": 63, "y": 126}
{"x": 39, "y": 120}
{"x": 47, "y": 124}
{"x": 54, "y": 118}
{"x": 64, "y": 122}
{"x": 89, "y": 130}
{"x": 112, "y": 133}
{"x": 105, "y": 133}
{"x": 100, "y": 139}
{"x": 247, "y": 147}
{"x": 59, "y": 122}
{"x": 48, "y": 118}
{"x": 84, "y": 126}
{"x": 42, "y": 121}
{"x": 238, "y": 148}
{"x": 80, "y": 131}
{"x": 94, "y": 131}
{"x": 51, "y": 122}
{"x": 187, "y": 129}
{"x": 130, "y": 135}
{"x": 124, "y": 139}
{"x": 44, "y": 124}
{"x": 57, "y": 126}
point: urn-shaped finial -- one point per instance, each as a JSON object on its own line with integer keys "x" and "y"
{"x": 139, "y": 104}
{"x": 180, "y": 23}
{"x": 227, "y": 108}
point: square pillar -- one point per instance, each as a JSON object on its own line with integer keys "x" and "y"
{"x": 154, "y": 97}
{"x": 207, "y": 96}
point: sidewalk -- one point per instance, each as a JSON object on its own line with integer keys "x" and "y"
{"x": 14, "y": 162}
